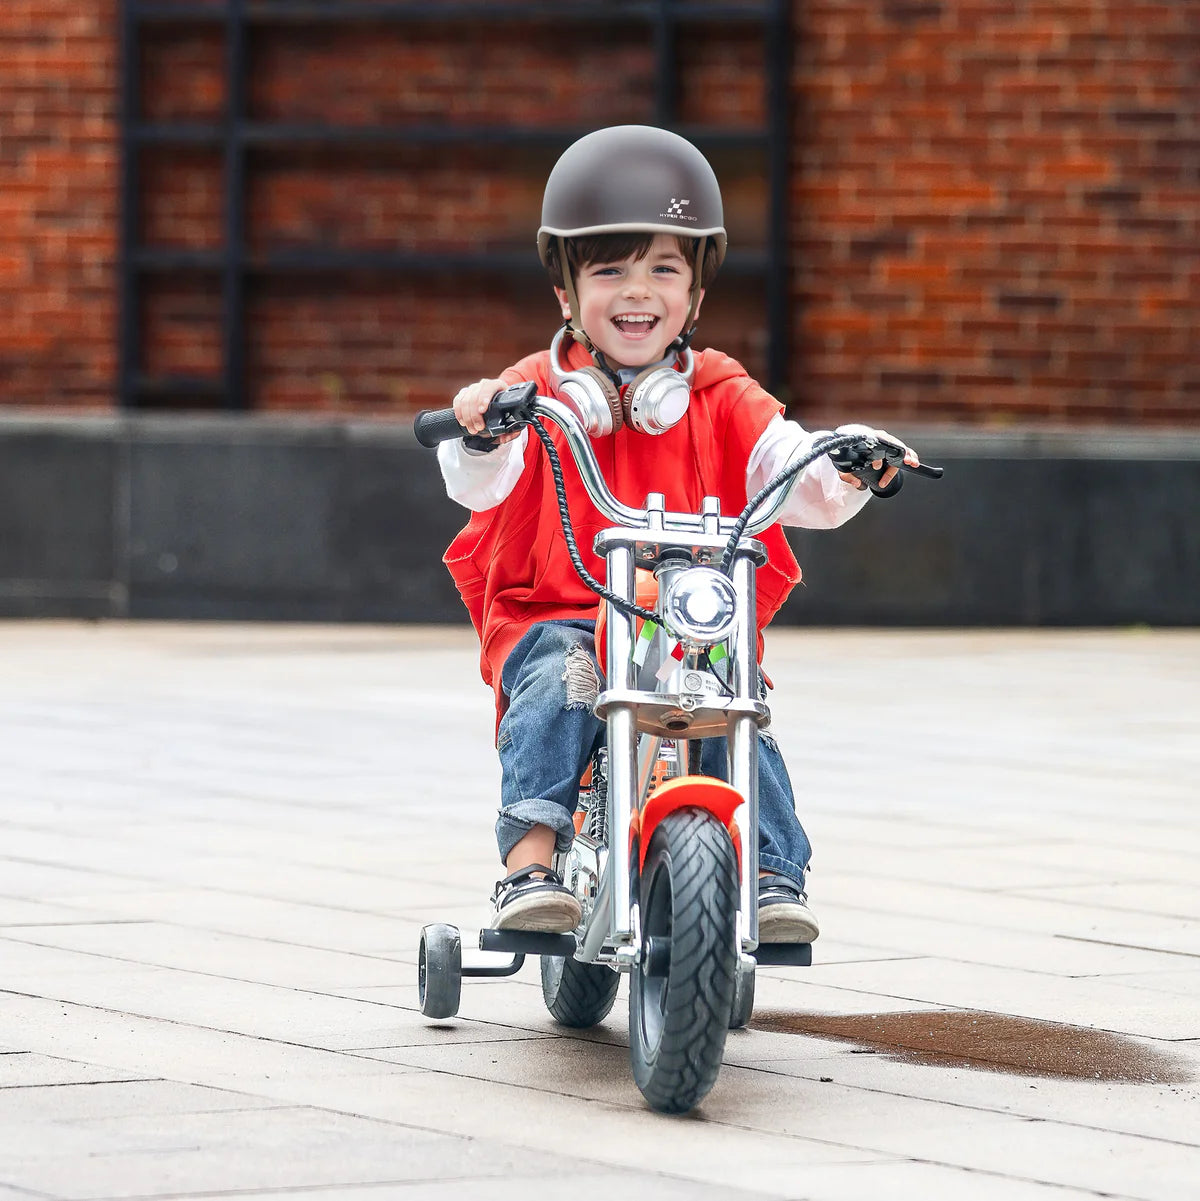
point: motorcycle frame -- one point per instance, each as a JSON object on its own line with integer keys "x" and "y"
{"x": 637, "y": 720}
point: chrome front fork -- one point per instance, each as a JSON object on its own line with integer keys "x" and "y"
{"x": 627, "y": 784}
{"x": 743, "y": 752}
{"x": 622, "y": 756}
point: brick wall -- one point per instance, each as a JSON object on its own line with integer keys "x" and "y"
{"x": 994, "y": 204}
{"x": 58, "y": 202}
{"x": 997, "y": 208}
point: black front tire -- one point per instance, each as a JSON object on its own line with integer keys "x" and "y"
{"x": 578, "y": 995}
{"x": 681, "y": 994}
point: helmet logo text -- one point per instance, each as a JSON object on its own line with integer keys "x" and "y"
{"x": 675, "y": 210}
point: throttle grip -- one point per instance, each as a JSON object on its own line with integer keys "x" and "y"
{"x": 432, "y": 426}
{"x": 871, "y": 478}
{"x": 509, "y": 409}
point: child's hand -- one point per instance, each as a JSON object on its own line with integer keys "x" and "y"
{"x": 910, "y": 459}
{"x": 471, "y": 402}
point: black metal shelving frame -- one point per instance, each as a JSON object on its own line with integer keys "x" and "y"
{"x": 236, "y": 136}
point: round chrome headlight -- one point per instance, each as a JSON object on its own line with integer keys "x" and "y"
{"x": 700, "y": 606}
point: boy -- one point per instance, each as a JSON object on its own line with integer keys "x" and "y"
{"x": 632, "y": 233}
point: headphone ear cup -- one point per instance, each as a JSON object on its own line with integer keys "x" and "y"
{"x": 607, "y": 393}
{"x": 596, "y": 402}
{"x": 593, "y": 396}
{"x": 657, "y": 399}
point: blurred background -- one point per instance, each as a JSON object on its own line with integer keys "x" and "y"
{"x": 243, "y": 241}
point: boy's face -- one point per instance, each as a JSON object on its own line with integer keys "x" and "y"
{"x": 633, "y": 309}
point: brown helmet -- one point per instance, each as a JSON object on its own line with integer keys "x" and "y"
{"x": 632, "y": 178}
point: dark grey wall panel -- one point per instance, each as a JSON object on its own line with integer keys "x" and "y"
{"x": 1037, "y": 540}
{"x": 230, "y": 517}
{"x": 393, "y": 523}
{"x": 58, "y": 545}
{"x": 1124, "y": 545}
{"x": 233, "y": 526}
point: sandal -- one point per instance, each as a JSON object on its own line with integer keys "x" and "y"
{"x": 534, "y": 898}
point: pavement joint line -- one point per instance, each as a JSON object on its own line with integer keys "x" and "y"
{"x": 973, "y": 923}
{"x": 171, "y": 924}
{"x": 193, "y": 1113}
{"x": 350, "y": 1053}
{"x": 165, "y": 884}
{"x": 28, "y": 1192}
{"x": 125, "y": 921}
{"x": 191, "y": 971}
{"x": 1175, "y": 917}
{"x": 286, "y": 1190}
{"x": 1029, "y": 892}
{"x": 77, "y": 1083}
{"x": 530, "y": 1037}
{"x": 946, "y": 958}
{"x": 1128, "y": 946}
{"x": 147, "y": 1017}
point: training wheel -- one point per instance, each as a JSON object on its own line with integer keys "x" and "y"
{"x": 439, "y": 970}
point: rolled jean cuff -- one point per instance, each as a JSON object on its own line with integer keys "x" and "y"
{"x": 515, "y": 821}
{"x": 782, "y": 867}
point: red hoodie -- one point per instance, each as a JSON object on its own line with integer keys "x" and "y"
{"x": 511, "y": 564}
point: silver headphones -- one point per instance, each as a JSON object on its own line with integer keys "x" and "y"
{"x": 654, "y": 401}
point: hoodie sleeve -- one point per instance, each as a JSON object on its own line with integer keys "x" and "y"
{"x": 820, "y": 499}
{"x": 481, "y": 480}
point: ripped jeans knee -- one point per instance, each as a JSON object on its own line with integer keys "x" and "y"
{"x": 548, "y": 732}
{"x": 581, "y": 676}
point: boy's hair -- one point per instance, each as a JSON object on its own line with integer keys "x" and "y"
{"x": 612, "y": 248}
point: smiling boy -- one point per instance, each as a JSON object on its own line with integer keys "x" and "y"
{"x": 632, "y": 234}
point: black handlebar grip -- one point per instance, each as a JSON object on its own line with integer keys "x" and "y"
{"x": 437, "y": 425}
{"x": 892, "y": 488}
{"x": 871, "y": 477}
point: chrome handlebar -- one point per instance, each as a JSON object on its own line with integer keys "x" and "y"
{"x": 621, "y": 514}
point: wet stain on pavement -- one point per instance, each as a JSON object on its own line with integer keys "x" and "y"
{"x": 990, "y": 1042}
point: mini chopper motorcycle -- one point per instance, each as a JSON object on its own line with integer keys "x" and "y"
{"x": 665, "y": 861}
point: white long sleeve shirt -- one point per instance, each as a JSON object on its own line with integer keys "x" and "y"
{"x": 819, "y": 500}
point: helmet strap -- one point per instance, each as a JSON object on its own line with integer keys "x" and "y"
{"x": 689, "y": 327}
{"x": 572, "y": 299}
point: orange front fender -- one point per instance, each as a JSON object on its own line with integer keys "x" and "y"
{"x": 687, "y": 792}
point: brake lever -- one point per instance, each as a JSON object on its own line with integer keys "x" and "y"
{"x": 510, "y": 409}
{"x": 857, "y": 458}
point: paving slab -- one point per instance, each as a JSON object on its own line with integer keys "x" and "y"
{"x": 278, "y": 1149}
{"x": 218, "y": 844}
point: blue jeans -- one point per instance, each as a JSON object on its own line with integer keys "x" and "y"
{"x": 548, "y": 735}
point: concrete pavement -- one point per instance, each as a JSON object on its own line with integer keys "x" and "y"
{"x": 218, "y": 844}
